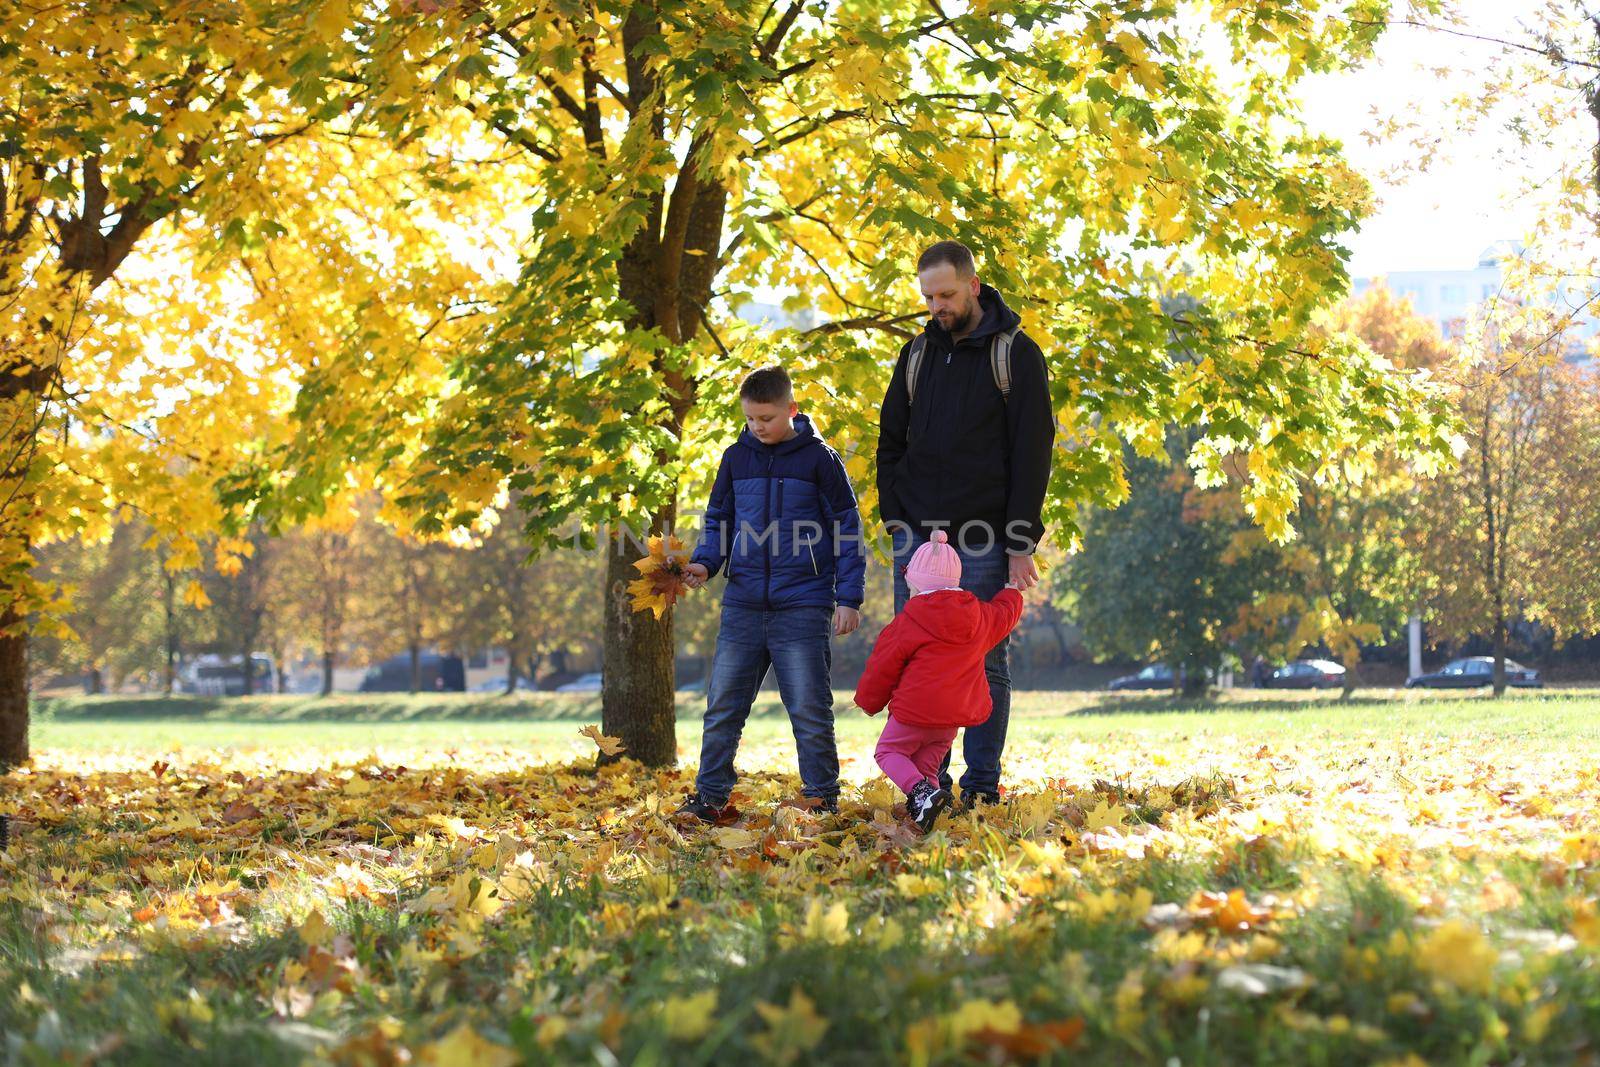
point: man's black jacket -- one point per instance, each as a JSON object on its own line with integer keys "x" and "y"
{"x": 963, "y": 453}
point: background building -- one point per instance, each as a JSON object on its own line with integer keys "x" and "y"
{"x": 1449, "y": 297}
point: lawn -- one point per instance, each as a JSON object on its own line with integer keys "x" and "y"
{"x": 1282, "y": 879}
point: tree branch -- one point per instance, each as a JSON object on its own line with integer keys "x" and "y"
{"x": 775, "y": 38}
{"x": 891, "y": 325}
{"x": 1550, "y": 51}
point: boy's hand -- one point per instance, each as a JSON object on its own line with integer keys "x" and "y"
{"x": 845, "y": 620}
{"x": 696, "y": 575}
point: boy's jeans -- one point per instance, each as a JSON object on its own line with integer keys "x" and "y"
{"x": 984, "y": 574}
{"x": 795, "y": 641}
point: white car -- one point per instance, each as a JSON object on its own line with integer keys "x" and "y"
{"x": 1307, "y": 674}
{"x": 498, "y": 685}
{"x": 584, "y": 683}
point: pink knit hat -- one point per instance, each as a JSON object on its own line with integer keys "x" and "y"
{"x": 935, "y": 565}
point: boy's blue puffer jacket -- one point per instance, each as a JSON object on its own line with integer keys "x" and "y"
{"x": 772, "y": 519}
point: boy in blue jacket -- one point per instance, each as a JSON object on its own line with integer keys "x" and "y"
{"x": 782, "y": 518}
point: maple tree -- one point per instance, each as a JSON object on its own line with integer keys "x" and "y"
{"x": 113, "y": 609}
{"x": 321, "y": 573}
{"x": 535, "y": 609}
{"x": 1164, "y": 576}
{"x": 1501, "y": 535}
{"x": 676, "y": 156}
{"x": 1350, "y": 576}
{"x": 135, "y": 140}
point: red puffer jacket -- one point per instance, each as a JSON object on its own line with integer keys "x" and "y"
{"x": 927, "y": 665}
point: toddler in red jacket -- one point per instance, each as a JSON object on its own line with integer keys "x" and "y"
{"x": 927, "y": 666}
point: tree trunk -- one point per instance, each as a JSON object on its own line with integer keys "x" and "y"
{"x": 637, "y": 664}
{"x": 169, "y": 613}
{"x": 13, "y": 691}
{"x": 249, "y": 671}
{"x": 1499, "y": 653}
{"x": 97, "y": 681}
{"x": 327, "y": 672}
{"x": 1063, "y": 654}
{"x": 511, "y": 667}
{"x": 416, "y": 667}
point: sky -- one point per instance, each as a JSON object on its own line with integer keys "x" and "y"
{"x": 1444, "y": 216}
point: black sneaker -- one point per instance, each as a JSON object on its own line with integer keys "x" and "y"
{"x": 970, "y": 801}
{"x": 926, "y": 803}
{"x": 706, "y": 812}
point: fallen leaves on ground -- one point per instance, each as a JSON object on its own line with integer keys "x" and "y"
{"x": 1428, "y": 899}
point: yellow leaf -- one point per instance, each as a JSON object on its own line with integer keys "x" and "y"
{"x": 831, "y": 926}
{"x": 688, "y": 1018}
{"x": 1459, "y": 955}
{"x": 610, "y": 746}
{"x": 315, "y": 930}
{"x": 1105, "y": 816}
{"x": 791, "y": 1030}
{"x": 916, "y": 885}
{"x": 465, "y": 1047}
{"x": 730, "y": 838}
{"x": 194, "y": 594}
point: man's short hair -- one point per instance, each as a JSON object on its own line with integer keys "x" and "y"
{"x": 767, "y": 385}
{"x": 954, "y": 253}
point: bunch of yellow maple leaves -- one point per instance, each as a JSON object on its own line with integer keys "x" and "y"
{"x": 661, "y": 576}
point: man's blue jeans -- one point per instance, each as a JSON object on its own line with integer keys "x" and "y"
{"x": 984, "y": 572}
{"x": 794, "y": 641}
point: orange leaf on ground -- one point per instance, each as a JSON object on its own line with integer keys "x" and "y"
{"x": 1032, "y": 1040}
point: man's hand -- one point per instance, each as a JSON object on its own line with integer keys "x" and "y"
{"x": 845, "y": 620}
{"x": 696, "y": 575}
{"x": 1024, "y": 575}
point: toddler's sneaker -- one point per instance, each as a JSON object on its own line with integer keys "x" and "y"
{"x": 926, "y": 803}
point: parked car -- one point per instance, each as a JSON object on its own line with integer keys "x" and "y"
{"x": 439, "y": 673}
{"x": 218, "y": 676}
{"x": 1307, "y": 674}
{"x": 498, "y": 685}
{"x": 1474, "y": 671}
{"x": 1155, "y": 676}
{"x": 584, "y": 683}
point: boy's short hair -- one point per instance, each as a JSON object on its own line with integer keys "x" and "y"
{"x": 954, "y": 253}
{"x": 767, "y": 385}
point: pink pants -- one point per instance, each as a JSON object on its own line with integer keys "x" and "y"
{"x": 908, "y": 754}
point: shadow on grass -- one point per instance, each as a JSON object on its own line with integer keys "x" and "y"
{"x": 1166, "y": 704}
{"x": 1371, "y": 700}
{"x": 354, "y": 708}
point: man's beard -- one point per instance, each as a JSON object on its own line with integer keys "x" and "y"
{"x": 965, "y": 322}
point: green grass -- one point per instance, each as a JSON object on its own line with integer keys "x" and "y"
{"x": 549, "y": 721}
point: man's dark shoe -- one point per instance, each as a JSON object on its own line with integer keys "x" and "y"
{"x": 926, "y": 803}
{"x": 711, "y": 814}
{"x": 970, "y": 801}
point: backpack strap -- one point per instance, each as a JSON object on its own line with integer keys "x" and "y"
{"x": 1000, "y": 360}
{"x": 919, "y": 348}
